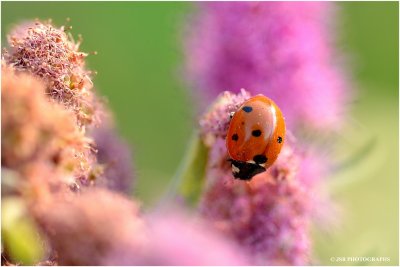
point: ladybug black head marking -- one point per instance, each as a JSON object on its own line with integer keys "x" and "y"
{"x": 245, "y": 170}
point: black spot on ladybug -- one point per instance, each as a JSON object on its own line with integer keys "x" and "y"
{"x": 260, "y": 159}
{"x": 279, "y": 139}
{"x": 247, "y": 109}
{"x": 235, "y": 137}
{"x": 242, "y": 123}
{"x": 256, "y": 133}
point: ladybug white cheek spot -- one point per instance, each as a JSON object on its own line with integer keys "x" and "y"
{"x": 235, "y": 169}
{"x": 251, "y": 161}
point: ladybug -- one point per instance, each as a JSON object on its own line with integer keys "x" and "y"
{"x": 255, "y": 137}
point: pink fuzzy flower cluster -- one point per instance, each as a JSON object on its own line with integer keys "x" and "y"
{"x": 35, "y": 131}
{"x": 49, "y": 153}
{"x": 284, "y": 50}
{"x": 214, "y": 123}
{"x": 74, "y": 178}
{"x": 270, "y": 215}
{"x": 175, "y": 238}
{"x": 50, "y": 53}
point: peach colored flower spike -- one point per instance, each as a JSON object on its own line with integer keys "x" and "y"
{"x": 51, "y": 54}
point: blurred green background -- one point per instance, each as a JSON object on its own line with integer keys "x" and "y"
{"x": 138, "y": 63}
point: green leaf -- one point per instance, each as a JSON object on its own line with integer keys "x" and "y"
{"x": 189, "y": 178}
{"x": 20, "y": 235}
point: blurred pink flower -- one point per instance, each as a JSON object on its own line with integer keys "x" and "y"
{"x": 89, "y": 228}
{"x": 178, "y": 239}
{"x": 284, "y": 50}
{"x": 37, "y": 131}
{"x": 100, "y": 227}
{"x": 114, "y": 155}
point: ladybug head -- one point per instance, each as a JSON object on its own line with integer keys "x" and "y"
{"x": 245, "y": 170}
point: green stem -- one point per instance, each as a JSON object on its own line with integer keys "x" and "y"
{"x": 188, "y": 179}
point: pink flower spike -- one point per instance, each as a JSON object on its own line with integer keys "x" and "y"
{"x": 180, "y": 239}
{"x": 215, "y": 122}
{"x": 284, "y": 50}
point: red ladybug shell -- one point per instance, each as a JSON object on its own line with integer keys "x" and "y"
{"x": 255, "y": 136}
